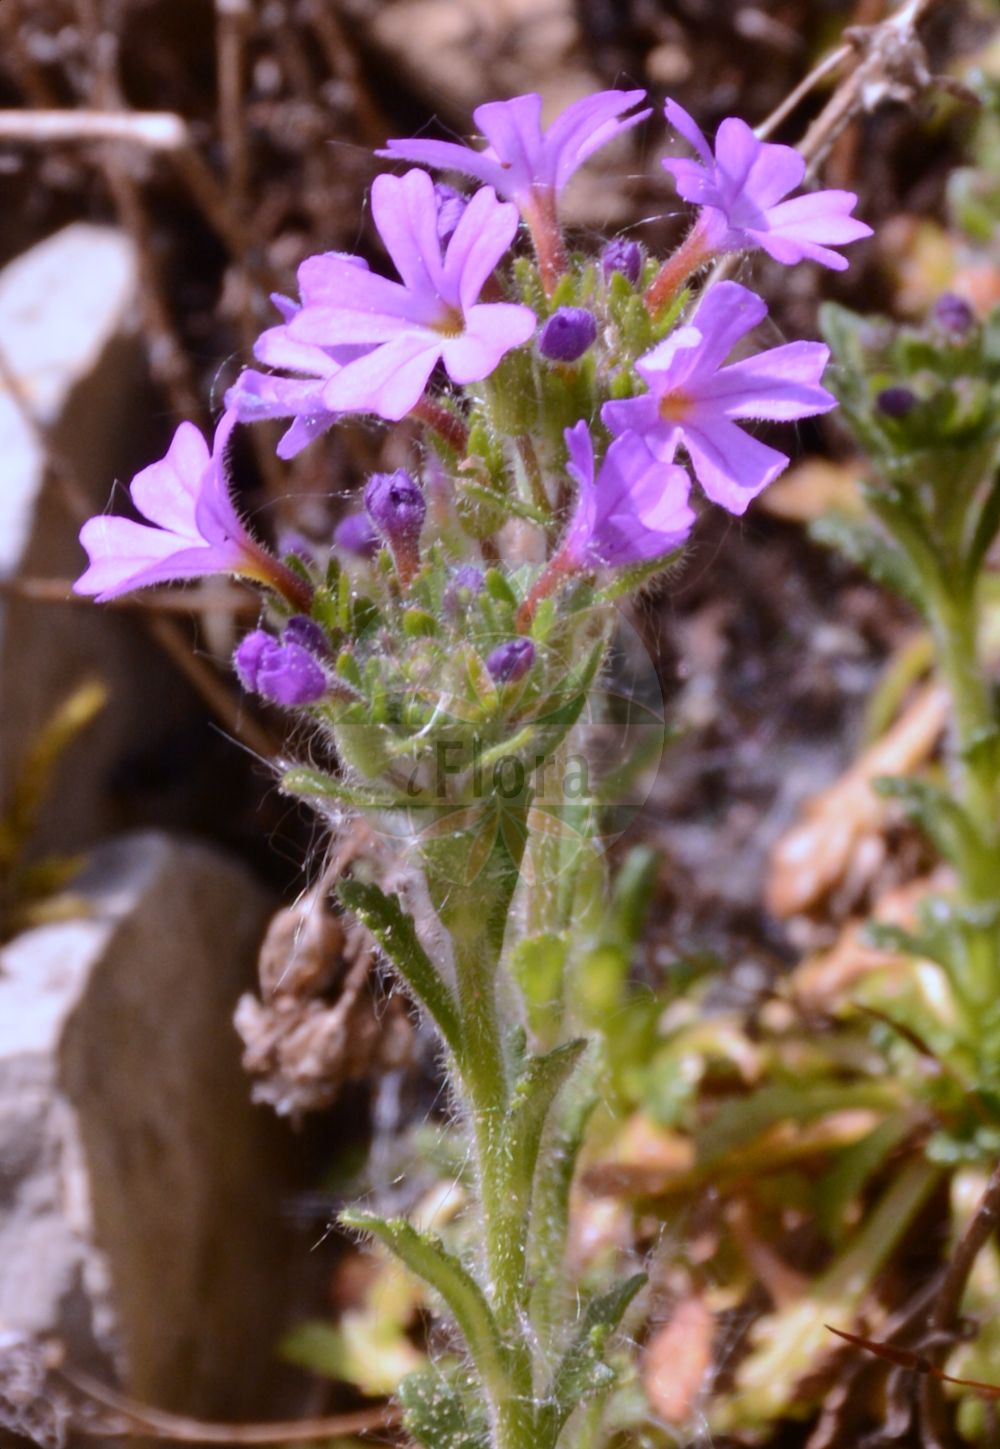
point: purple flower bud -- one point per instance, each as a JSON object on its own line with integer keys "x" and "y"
{"x": 511, "y": 660}
{"x": 468, "y": 579}
{"x": 355, "y": 534}
{"x": 306, "y": 633}
{"x": 283, "y": 673}
{"x": 954, "y": 314}
{"x": 567, "y": 334}
{"x": 397, "y": 508}
{"x": 290, "y": 541}
{"x": 450, "y": 206}
{"x": 622, "y": 255}
{"x": 896, "y": 402}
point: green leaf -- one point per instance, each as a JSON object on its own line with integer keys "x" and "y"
{"x": 439, "y": 1415}
{"x": 315, "y": 784}
{"x": 737, "y": 1122}
{"x": 396, "y": 933}
{"x": 583, "y": 1371}
{"x": 531, "y": 1101}
{"x": 870, "y": 551}
{"x": 942, "y": 820}
{"x": 425, "y": 1256}
{"x": 537, "y": 965}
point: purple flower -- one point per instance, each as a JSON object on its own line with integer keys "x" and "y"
{"x": 192, "y": 527}
{"x": 741, "y": 189}
{"x": 693, "y": 400}
{"x": 284, "y": 673}
{"x": 256, "y": 396}
{"x": 622, "y": 255}
{"x": 520, "y": 159}
{"x": 511, "y": 660}
{"x": 356, "y": 534}
{"x": 432, "y": 315}
{"x": 567, "y": 334}
{"x": 635, "y": 510}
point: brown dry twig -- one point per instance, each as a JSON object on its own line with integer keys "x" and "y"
{"x": 180, "y": 1429}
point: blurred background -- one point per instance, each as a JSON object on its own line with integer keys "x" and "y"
{"x": 166, "y": 1180}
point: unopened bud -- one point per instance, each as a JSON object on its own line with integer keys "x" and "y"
{"x": 285, "y": 673}
{"x": 954, "y": 314}
{"x": 355, "y": 534}
{"x": 567, "y": 334}
{"x": 511, "y": 660}
{"x": 397, "y": 508}
{"x": 896, "y": 402}
{"x": 451, "y": 205}
{"x": 622, "y": 255}
{"x": 305, "y": 632}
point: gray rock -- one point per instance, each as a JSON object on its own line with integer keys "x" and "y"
{"x": 140, "y": 1192}
{"x": 68, "y": 313}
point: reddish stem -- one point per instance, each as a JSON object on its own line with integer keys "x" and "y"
{"x": 693, "y": 252}
{"x": 547, "y": 582}
{"x": 442, "y": 421}
{"x": 546, "y": 236}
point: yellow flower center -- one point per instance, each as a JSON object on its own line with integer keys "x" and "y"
{"x": 674, "y": 407}
{"x": 451, "y": 323}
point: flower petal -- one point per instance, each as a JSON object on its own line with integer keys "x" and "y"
{"x": 688, "y": 127}
{"x": 448, "y": 156}
{"x": 389, "y": 381}
{"x": 167, "y": 491}
{"x": 404, "y": 209}
{"x": 484, "y": 233}
{"x": 731, "y": 466}
{"x": 780, "y": 385}
{"x": 491, "y": 330}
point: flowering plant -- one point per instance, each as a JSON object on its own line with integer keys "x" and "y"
{"x": 447, "y": 649}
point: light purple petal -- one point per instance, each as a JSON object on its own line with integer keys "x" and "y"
{"x": 448, "y": 156}
{"x": 731, "y": 466}
{"x": 692, "y": 181}
{"x": 167, "y": 491}
{"x": 125, "y": 555}
{"x": 217, "y": 519}
{"x": 780, "y": 385}
{"x": 304, "y": 430}
{"x": 334, "y": 327}
{"x": 807, "y": 226}
{"x": 255, "y": 396}
{"x": 491, "y": 330}
{"x": 404, "y": 209}
{"x": 340, "y": 287}
{"x": 753, "y": 174}
{"x": 389, "y": 381}
{"x": 726, "y": 314}
{"x": 483, "y": 235}
{"x": 584, "y": 127}
{"x": 513, "y": 130}
{"x": 688, "y": 127}
{"x": 640, "y": 413}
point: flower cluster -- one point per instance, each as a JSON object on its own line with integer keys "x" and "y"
{"x": 580, "y": 402}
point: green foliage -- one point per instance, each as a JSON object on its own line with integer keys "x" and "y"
{"x": 443, "y": 1410}
{"x": 396, "y": 933}
{"x": 583, "y": 1371}
{"x": 425, "y": 1256}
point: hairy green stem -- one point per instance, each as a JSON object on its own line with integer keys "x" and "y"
{"x": 954, "y": 624}
{"x": 475, "y": 917}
